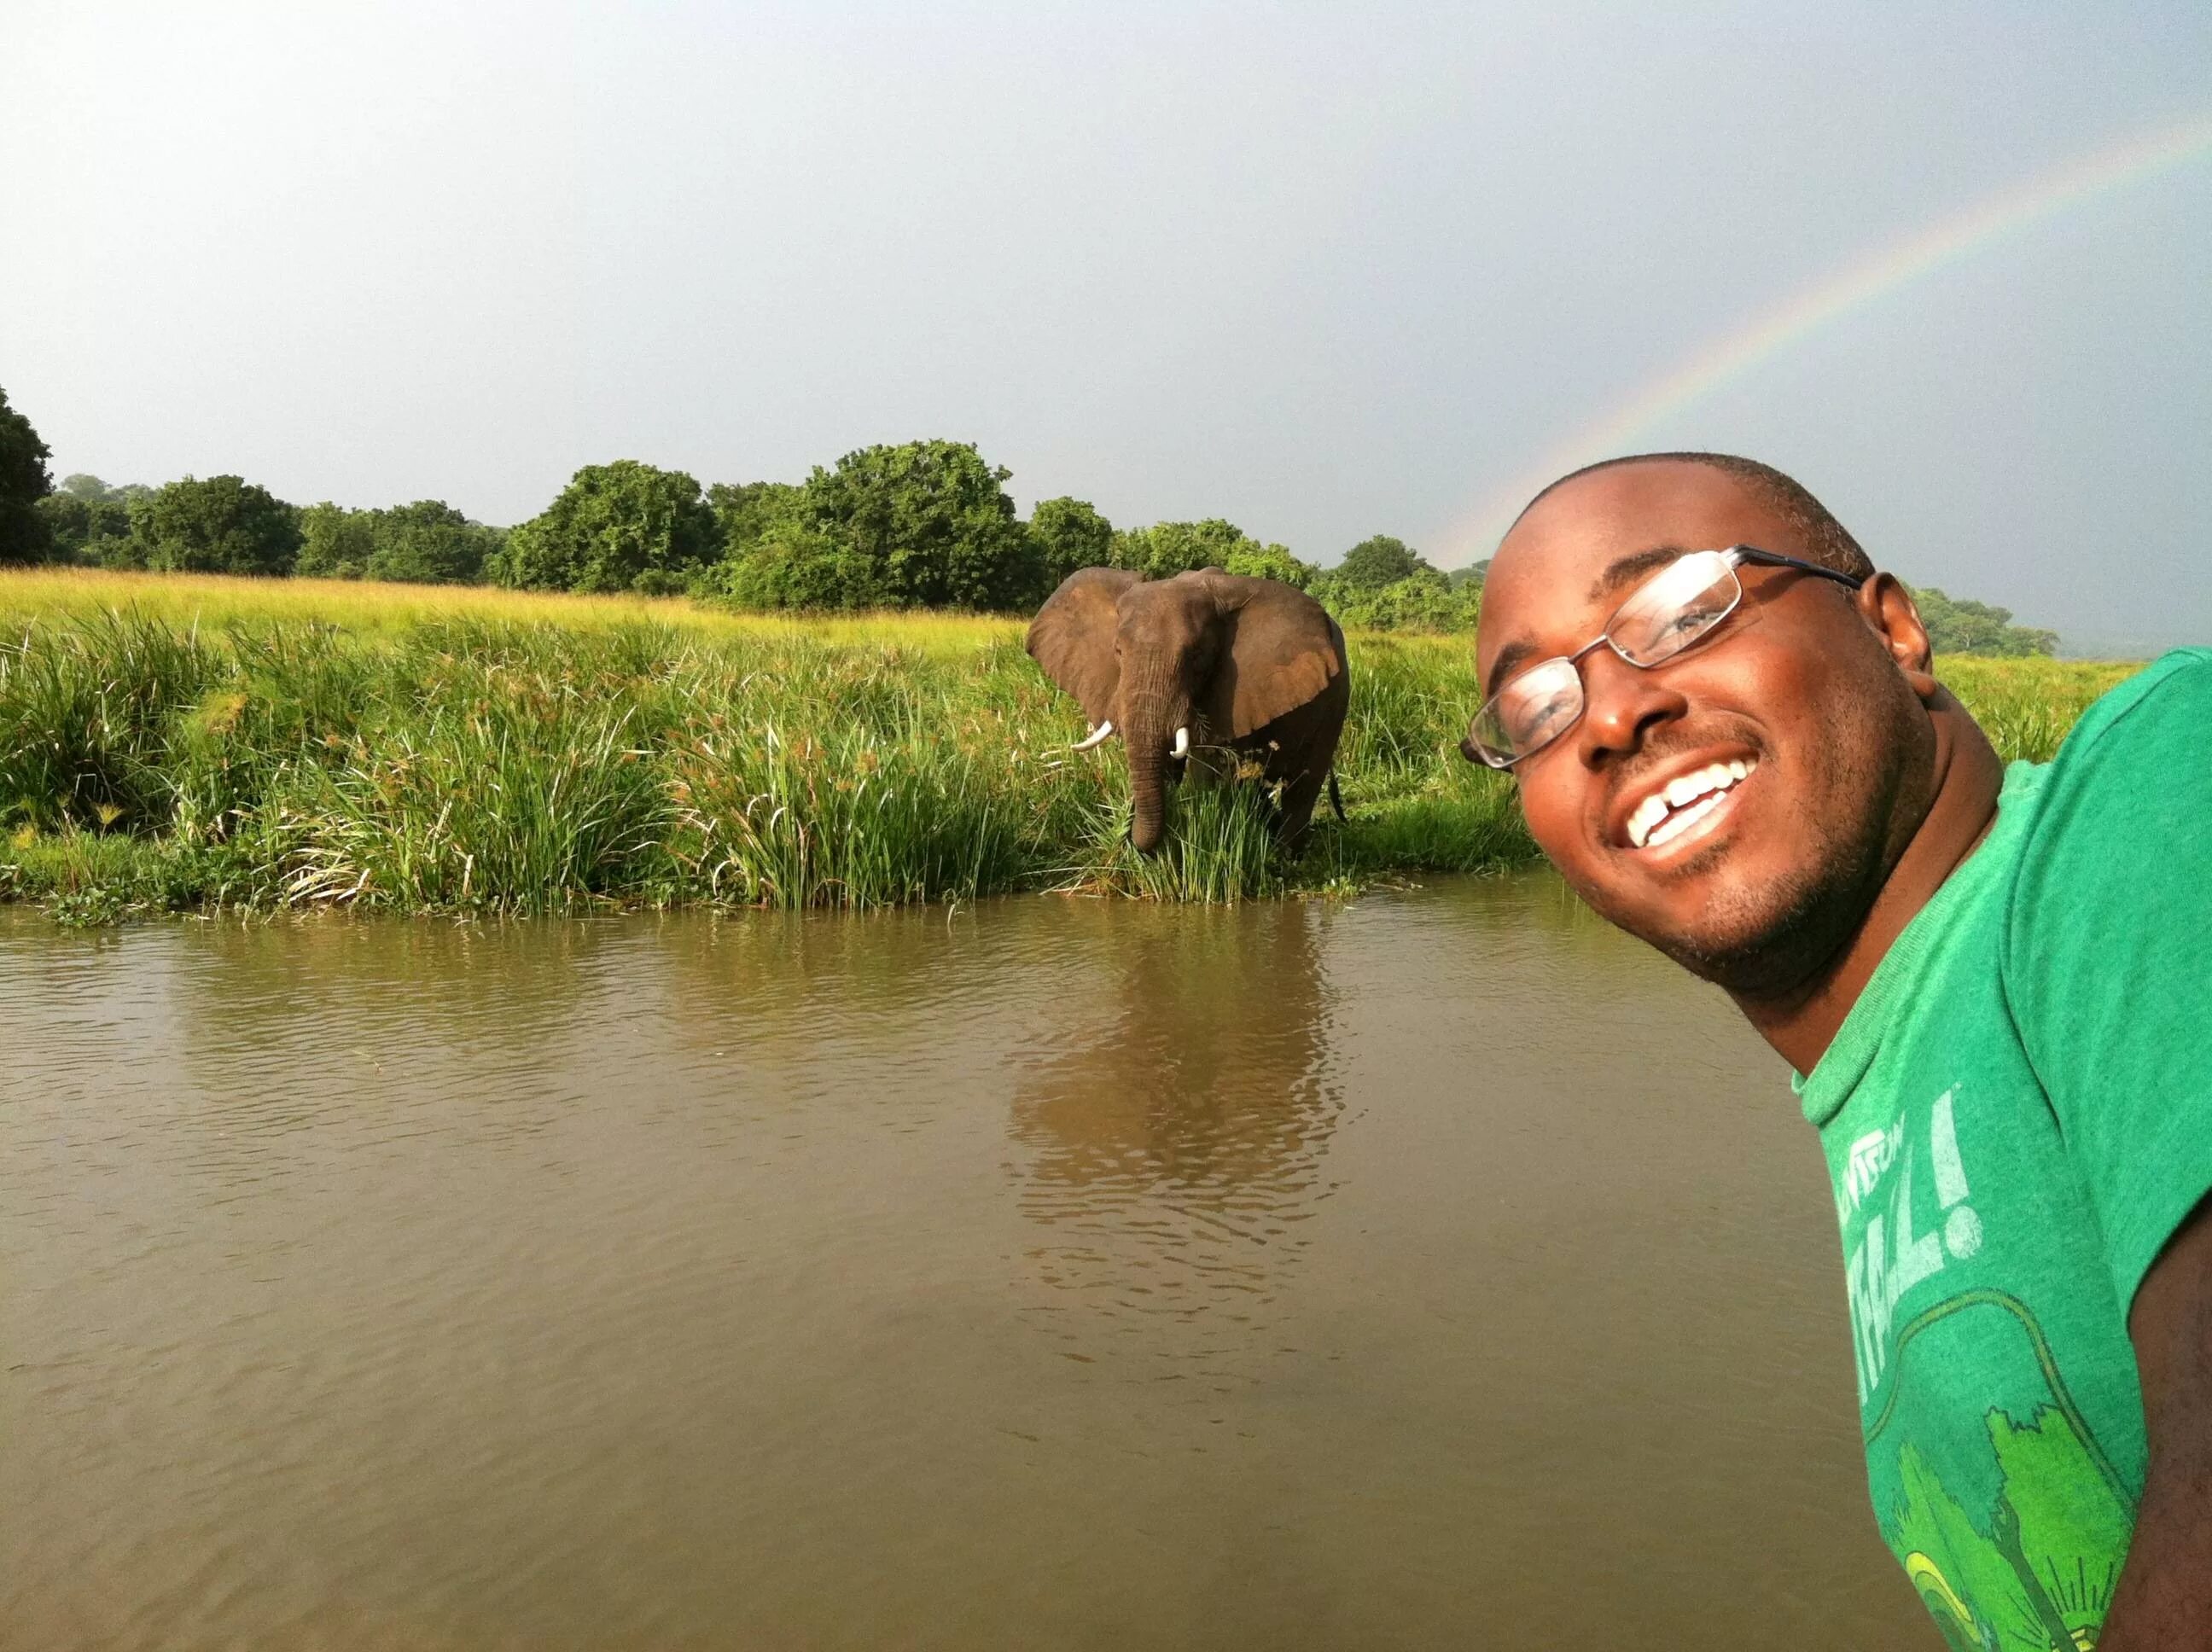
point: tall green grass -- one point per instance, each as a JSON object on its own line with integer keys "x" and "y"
{"x": 2027, "y": 706}
{"x": 494, "y": 757}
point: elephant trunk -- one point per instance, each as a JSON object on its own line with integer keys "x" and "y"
{"x": 1154, "y": 711}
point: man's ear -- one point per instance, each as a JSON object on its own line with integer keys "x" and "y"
{"x": 1886, "y": 606}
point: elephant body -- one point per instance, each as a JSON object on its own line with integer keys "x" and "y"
{"x": 1237, "y": 670}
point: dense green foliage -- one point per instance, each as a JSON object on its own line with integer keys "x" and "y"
{"x": 469, "y": 765}
{"x": 1424, "y": 600}
{"x": 623, "y": 527}
{"x": 915, "y": 525}
{"x": 908, "y": 525}
{"x": 1962, "y": 626}
{"x": 87, "y": 520}
{"x": 24, "y": 481}
{"x": 1070, "y": 534}
{"x": 1383, "y": 585}
{"x": 213, "y": 525}
{"x": 1375, "y": 562}
{"x": 426, "y": 543}
{"x": 466, "y": 762}
{"x": 747, "y": 510}
{"x": 1167, "y": 549}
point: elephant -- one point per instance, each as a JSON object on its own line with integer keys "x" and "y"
{"x": 1207, "y": 668}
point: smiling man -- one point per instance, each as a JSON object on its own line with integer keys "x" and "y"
{"x": 1992, "y": 981}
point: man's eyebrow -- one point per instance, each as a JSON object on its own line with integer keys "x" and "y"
{"x": 1619, "y": 572}
{"x": 1508, "y": 657}
{"x": 1622, "y": 569}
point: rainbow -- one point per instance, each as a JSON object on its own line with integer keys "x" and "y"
{"x": 1807, "y": 312}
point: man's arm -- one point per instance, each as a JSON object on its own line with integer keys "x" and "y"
{"x": 2164, "y": 1601}
{"x": 2108, "y": 967}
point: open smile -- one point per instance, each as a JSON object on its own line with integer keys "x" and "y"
{"x": 1690, "y": 806}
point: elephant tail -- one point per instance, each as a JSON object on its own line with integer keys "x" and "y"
{"x": 1335, "y": 797}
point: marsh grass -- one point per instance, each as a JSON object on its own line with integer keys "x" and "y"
{"x": 169, "y": 742}
{"x": 2027, "y": 706}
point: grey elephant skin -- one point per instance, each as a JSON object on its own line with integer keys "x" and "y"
{"x": 1254, "y": 670}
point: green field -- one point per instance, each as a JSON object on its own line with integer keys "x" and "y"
{"x": 171, "y": 742}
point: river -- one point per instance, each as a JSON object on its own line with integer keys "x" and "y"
{"x": 1437, "y": 1268}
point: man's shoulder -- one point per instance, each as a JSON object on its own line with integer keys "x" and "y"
{"x": 2164, "y": 701}
{"x": 2119, "y": 816}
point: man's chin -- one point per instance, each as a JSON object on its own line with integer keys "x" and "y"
{"x": 1752, "y": 937}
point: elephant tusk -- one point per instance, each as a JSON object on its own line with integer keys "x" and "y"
{"x": 1096, "y": 738}
{"x": 1182, "y": 743}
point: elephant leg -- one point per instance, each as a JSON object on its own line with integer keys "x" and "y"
{"x": 1300, "y": 794}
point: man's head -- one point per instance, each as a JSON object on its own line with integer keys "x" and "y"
{"x": 1819, "y": 694}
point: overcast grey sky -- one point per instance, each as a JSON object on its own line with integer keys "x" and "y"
{"x": 1327, "y": 272}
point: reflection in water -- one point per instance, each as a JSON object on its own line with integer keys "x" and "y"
{"x": 1437, "y": 1269}
{"x": 1176, "y": 1116}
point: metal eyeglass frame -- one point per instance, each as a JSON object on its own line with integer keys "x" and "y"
{"x": 1733, "y": 557}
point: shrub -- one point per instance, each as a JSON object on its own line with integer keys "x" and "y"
{"x": 426, "y": 543}
{"x": 215, "y": 524}
{"x": 932, "y": 525}
{"x": 793, "y": 566}
{"x": 1167, "y": 549}
{"x": 623, "y": 527}
{"x": 1069, "y": 534}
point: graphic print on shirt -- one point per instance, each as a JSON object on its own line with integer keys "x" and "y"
{"x": 2011, "y": 1531}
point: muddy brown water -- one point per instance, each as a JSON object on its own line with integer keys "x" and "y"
{"x": 1438, "y": 1269}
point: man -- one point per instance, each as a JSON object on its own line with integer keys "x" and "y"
{"x": 1993, "y": 983}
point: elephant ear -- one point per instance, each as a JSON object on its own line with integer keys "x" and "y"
{"x": 1072, "y": 637}
{"x": 1283, "y": 649}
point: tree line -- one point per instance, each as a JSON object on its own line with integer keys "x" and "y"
{"x": 917, "y": 524}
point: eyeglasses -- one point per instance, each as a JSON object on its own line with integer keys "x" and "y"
{"x": 1675, "y": 608}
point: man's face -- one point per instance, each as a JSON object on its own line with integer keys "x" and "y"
{"x": 1756, "y": 887}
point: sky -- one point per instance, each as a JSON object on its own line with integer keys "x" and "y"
{"x": 1324, "y": 271}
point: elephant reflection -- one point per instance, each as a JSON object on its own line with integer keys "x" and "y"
{"x": 1187, "y": 1124}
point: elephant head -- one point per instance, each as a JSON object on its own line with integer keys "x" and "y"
{"x": 1202, "y": 659}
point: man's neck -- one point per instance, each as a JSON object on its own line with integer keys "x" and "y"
{"x": 1969, "y": 774}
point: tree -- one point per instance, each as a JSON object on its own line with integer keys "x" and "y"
{"x": 24, "y": 481}
{"x": 218, "y": 525}
{"x": 430, "y": 543}
{"x": 426, "y": 543}
{"x": 1424, "y": 600}
{"x": 1962, "y": 626}
{"x": 932, "y": 523}
{"x": 623, "y": 527}
{"x": 1167, "y": 549}
{"x": 335, "y": 543}
{"x": 1070, "y": 534}
{"x": 86, "y": 518}
{"x": 746, "y": 510}
{"x": 1257, "y": 561}
{"x": 792, "y": 565}
{"x": 1373, "y": 563}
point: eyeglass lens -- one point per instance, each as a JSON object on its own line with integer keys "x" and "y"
{"x": 1668, "y": 612}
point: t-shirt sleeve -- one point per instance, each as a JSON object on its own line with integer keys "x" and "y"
{"x": 2108, "y": 965}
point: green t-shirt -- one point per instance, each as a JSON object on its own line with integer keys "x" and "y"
{"x": 2016, "y": 1114}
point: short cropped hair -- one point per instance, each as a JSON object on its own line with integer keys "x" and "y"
{"x": 1827, "y": 541}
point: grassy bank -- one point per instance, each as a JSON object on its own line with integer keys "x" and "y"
{"x": 178, "y": 742}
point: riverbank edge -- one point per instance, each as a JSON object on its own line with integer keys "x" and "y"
{"x": 211, "y": 744}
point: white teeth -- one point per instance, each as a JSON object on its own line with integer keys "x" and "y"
{"x": 1682, "y": 819}
{"x": 1667, "y": 812}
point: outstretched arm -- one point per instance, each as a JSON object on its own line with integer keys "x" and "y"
{"x": 2164, "y": 1601}
{"x": 2110, "y": 968}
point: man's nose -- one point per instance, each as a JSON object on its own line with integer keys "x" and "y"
{"x": 1620, "y": 706}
